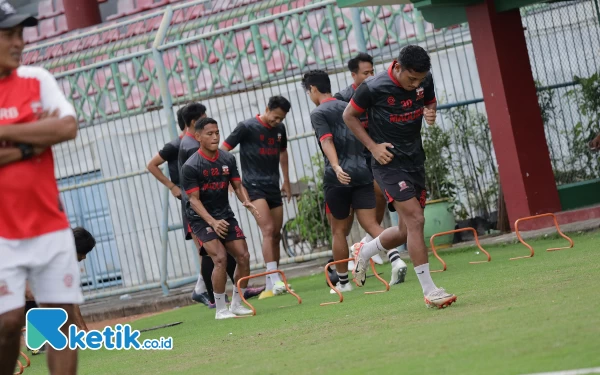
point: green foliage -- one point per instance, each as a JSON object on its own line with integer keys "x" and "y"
{"x": 436, "y": 143}
{"x": 310, "y": 221}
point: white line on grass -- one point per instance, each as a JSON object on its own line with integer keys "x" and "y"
{"x": 584, "y": 371}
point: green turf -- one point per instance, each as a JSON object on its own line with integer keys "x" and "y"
{"x": 511, "y": 317}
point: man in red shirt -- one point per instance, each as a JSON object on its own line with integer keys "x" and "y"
{"x": 36, "y": 241}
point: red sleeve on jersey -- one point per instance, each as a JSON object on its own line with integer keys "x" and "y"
{"x": 188, "y": 192}
{"x": 325, "y": 136}
{"x": 356, "y": 106}
{"x": 431, "y": 101}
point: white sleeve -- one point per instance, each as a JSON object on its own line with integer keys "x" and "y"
{"x": 52, "y": 96}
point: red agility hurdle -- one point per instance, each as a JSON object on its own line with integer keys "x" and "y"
{"x": 21, "y": 367}
{"x": 261, "y": 275}
{"x": 531, "y": 252}
{"x": 341, "y": 297}
{"x": 489, "y": 258}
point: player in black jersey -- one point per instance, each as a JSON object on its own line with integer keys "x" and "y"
{"x": 170, "y": 153}
{"x": 397, "y": 101}
{"x": 206, "y": 176}
{"x": 361, "y": 68}
{"x": 263, "y": 148}
{"x": 347, "y": 180}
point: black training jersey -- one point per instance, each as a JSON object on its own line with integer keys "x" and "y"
{"x": 210, "y": 176}
{"x": 170, "y": 154}
{"x": 346, "y": 95}
{"x": 260, "y": 147}
{"x": 188, "y": 147}
{"x": 396, "y": 116}
{"x": 327, "y": 120}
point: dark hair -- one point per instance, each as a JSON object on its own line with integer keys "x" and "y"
{"x": 414, "y": 58}
{"x": 180, "y": 120}
{"x": 84, "y": 241}
{"x": 205, "y": 121}
{"x": 319, "y": 79}
{"x": 192, "y": 112}
{"x": 353, "y": 64}
{"x": 279, "y": 101}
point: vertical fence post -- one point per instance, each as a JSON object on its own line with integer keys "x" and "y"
{"x": 260, "y": 54}
{"x": 597, "y": 10}
{"x": 419, "y": 24}
{"x": 358, "y": 30}
{"x": 334, "y": 32}
{"x": 161, "y": 72}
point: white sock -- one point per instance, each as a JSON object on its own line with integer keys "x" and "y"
{"x": 367, "y": 238}
{"x": 200, "y": 287}
{"x": 220, "y": 301}
{"x": 371, "y": 248}
{"x": 274, "y": 277}
{"x": 236, "y": 300}
{"x": 425, "y": 278}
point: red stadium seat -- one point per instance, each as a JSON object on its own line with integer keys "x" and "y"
{"x": 204, "y": 80}
{"x": 46, "y": 10}
{"x": 124, "y": 7}
{"x": 149, "y": 4}
{"x": 276, "y": 63}
{"x": 47, "y": 28}
{"x": 62, "y": 26}
{"x": 59, "y": 6}
{"x": 249, "y": 71}
{"x": 30, "y": 34}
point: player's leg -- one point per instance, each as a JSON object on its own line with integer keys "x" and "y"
{"x": 338, "y": 202}
{"x": 12, "y": 302}
{"x": 218, "y": 254}
{"x": 276, "y": 211}
{"x": 239, "y": 250}
{"x": 267, "y": 228}
{"x": 55, "y": 282}
{"x": 200, "y": 293}
{"x": 206, "y": 269}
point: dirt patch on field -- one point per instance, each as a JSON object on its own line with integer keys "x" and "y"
{"x": 123, "y": 320}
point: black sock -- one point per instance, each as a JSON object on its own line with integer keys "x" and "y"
{"x": 343, "y": 278}
{"x": 206, "y": 269}
{"x": 393, "y": 255}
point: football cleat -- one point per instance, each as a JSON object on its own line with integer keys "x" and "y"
{"x": 439, "y": 298}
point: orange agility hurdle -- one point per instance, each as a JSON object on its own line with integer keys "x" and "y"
{"x": 387, "y": 286}
{"x": 260, "y": 275}
{"x": 531, "y": 248}
{"x": 489, "y": 258}
{"x": 21, "y": 367}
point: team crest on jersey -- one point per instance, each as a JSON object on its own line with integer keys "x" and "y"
{"x": 403, "y": 185}
{"x": 4, "y": 291}
{"x": 420, "y": 93}
{"x": 225, "y": 170}
{"x": 278, "y": 137}
{"x": 391, "y": 100}
{"x": 36, "y": 107}
{"x": 209, "y": 230}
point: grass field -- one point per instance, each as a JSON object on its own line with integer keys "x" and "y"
{"x": 511, "y": 317}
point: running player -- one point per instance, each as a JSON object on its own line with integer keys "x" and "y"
{"x": 206, "y": 176}
{"x": 189, "y": 146}
{"x": 36, "y": 242}
{"x": 361, "y": 68}
{"x": 263, "y": 147}
{"x": 347, "y": 181}
{"x": 170, "y": 154}
{"x": 396, "y": 101}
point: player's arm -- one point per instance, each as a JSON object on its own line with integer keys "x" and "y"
{"x": 430, "y": 108}
{"x": 358, "y": 105}
{"x": 329, "y": 150}
{"x": 156, "y": 162}
{"x": 59, "y": 126}
{"x": 240, "y": 190}
{"x": 10, "y": 155}
{"x": 236, "y": 137}
{"x": 284, "y": 162}
{"x": 79, "y": 322}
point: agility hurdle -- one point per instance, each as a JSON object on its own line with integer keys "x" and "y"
{"x": 489, "y": 258}
{"x": 261, "y": 275}
{"x": 341, "y": 297}
{"x": 531, "y": 252}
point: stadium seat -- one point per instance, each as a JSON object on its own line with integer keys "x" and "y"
{"x": 149, "y": 4}
{"x": 153, "y": 23}
{"x": 276, "y": 63}
{"x": 249, "y": 71}
{"x": 124, "y": 8}
{"x": 61, "y": 23}
{"x": 46, "y": 10}
{"x": 30, "y": 35}
{"x": 194, "y": 12}
{"x": 47, "y": 28}
{"x": 204, "y": 80}
{"x": 59, "y": 6}
{"x": 270, "y": 31}
{"x": 137, "y": 28}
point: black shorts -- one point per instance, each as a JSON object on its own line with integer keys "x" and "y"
{"x": 206, "y": 233}
{"x": 398, "y": 185}
{"x": 339, "y": 199}
{"x": 270, "y": 193}
{"x": 187, "y": 230}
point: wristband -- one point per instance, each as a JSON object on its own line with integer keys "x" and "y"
{"x": 26, "y": 151}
